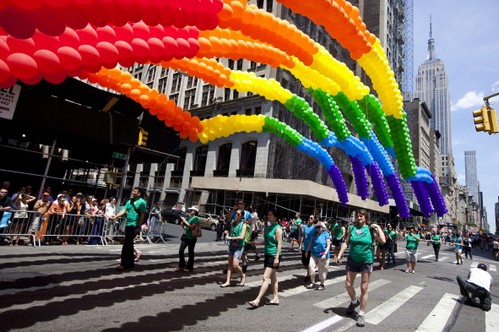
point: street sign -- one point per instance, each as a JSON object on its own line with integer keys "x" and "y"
{"x": 117, "y": 155}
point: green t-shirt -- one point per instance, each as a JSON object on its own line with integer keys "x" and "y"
{"x": 296, "y": 224}
{"x": 337, "y": 231}
{"x": 436, "y": 239}
{"x": 361, "y": 244}
{"x": 270, "y": 240}
{"x": 188, "y": 231}
{"x": 132, "y": 217}
{"x": 412, "y": 241}
{"x": 247, "y": 236}
{"x": 235, "y": 231}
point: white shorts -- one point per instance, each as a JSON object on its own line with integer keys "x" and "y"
{"x": 411, "y": 255}
{"x": 459, "y": 251}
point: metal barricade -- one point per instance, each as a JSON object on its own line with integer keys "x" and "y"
{"x": 15, "y": 226}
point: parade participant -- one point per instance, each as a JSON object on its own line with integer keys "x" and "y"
{"x": 273, "y": 246}
{"x": 295, "y": 231}
{"x": 359, "y": 240}
{"x": 135, "y": 210}
{"x": 477, "y": 286}
{"x": 411, "y": 249}
{"x": 338, "y": 234}
{"x": 236, "y": 238}
{"x": 318, "y": 251}
{"x": 436, "y": 241}
{"x": 308, "y": 229}
{"x": 458, "y": 249}
{"x": 391, "y": 242}
{"x": 188, "y": 241}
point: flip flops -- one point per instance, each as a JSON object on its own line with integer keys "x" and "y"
{"x": 271, "y": 303}
{"x": 253, "y": 305}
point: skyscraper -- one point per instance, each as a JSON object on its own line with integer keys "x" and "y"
{"x": 471, "y": 174}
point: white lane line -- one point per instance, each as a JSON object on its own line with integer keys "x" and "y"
{"x": 378, "y": 314}
{"x": 344, "y": 297}
{"x": 427, "y": 256}
{"x": 492, "y": 268}
{"x": 474, "y": 264}
{"x": 324, "y": 324}
{"x": 279, "y": 279}
{"x": 303, "y": 289}
{"x": 492, "y": 319}
{"x": 438, "y": 317}
{"x": 443, "y": 259}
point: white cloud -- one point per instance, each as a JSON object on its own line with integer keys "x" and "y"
{"x": 470, "y": 99}
{"x": 495, "y": 87}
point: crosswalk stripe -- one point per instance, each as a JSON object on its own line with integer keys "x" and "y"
{"x": 324, "y": 324}
{"x": 474, "y": 264}
{"x": 303, "y": 289}
{"x": 427, "y": 256}
{"x": 492, "y": 268}
{"x": 378, "y": 314}
{"x": 344, "y": 297}
{"x": 492, "y": 318}
{"x": 443, "y": 258}
{"x": 438, "y": 317}
{"x": 279, "y": 279}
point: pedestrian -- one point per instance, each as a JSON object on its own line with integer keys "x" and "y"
{"x": 467, "y": 247}
{"x": 436, "y": 242}
{"x": 188, "y": 240}
{"x": 236, "y": 238}
{"x": 476, "y": 286}
{"x": 458, "y": 249}
{"x": 308, "y": 229}
{"x": 318, "y": 251}
{"x": 295, "y": 231}
{"x": 273, "y": 247}
{"x": 135, "y": 210}
{"x": 391, "y": 242}
{"x": 411, "y": 249}
{"x": 359, "y": 239}
{"x": 338, "y": 234}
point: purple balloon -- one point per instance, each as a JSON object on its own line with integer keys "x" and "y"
{"x": 379, "y": 186}
{"x": 341, "y": 188}
{"x": 360, "y": 177}
{"x": 398, "y": 195}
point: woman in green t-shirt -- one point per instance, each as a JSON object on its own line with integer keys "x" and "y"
{"x": 236, "y": 248}
{"x": 360, "y": 260}
{"x": 436, "y": 240}
{"x": 188, "y": 241}
{"x": 411, "y": 249}
{"x": 273, "y": 244}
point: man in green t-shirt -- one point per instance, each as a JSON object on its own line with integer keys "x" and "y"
{"x": 135, "y": 210}
{"x": 295, "y": 231}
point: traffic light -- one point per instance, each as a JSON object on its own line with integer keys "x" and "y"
{"x": 143, "y": 135}
{"x": 494, "y": 127}
{"x": 481, "y": 118}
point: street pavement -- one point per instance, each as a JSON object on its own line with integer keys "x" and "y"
{"x": 63, "y": 288}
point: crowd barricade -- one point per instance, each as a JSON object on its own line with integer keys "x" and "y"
{"x": 57, "y": 228}
{"x": 155, "y": 231}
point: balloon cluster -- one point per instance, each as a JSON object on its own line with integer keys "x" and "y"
{"x": 53, "y": 39}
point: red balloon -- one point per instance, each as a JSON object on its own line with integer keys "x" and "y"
{"x": 16, "y": 45}
{"x": 140, "y": 50}
{"x": 4, "y": 71}
{"x": 4, "y": 47}
{"x": 49, "y": 21}
{"x": 125, "y": 53}
{"x": 88, "y": 35}
{"x": 74, "y": 19}
{"x": 156, "y": 49}
{"x": 124, "y": 33}
{"x": 141, "y": 30}
{"x": 17, "y": 22}
{"x": 70, "y": 58}
{"x": 106, "y": 34}
{"x": 109, "y": 54}
{"x": 42, "y": 41}
{"x": 8, "y": 82}
{"x": 47, "y": 61}
{"x": 55, "y": 78}
{"x": 26, "y": 4}
{"x": 34, "y": 80}
{"x": 22, "y": 66}
{"x": 70, "y": 38}
{"x": 90, "y": 58}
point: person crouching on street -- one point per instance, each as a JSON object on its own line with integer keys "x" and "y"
{"x": 476, "y": 286}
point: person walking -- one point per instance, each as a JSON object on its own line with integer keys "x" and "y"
{"x": 458, "y": 248}
{"x": 359, "y": 239}
{"x": 273, "y": 247}
{"x": 436, "y": 241}
{"x": 308, "y": 230}
{"x": 236, "y": 239}
{"x": 467, "y": 247}
{"x": 411, "y": 249}
{"x": 391, "y": 242}
{"x": 477, "y": 285}
{"x": 188, "y": 240}
{"x": 135, "y": 210}
{"x": 318, "y": 251}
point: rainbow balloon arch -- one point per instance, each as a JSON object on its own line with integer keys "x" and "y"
{"x": 55, "y": 39}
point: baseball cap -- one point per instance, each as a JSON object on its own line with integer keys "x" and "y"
{"x": 79, "y": 194}
{"x": 195, "y": 208}
{"x": 482, "y": 266}
{"x": 60, "y": 196}
{"x": 46, "y": 194}
{"x": 320, "y": 224}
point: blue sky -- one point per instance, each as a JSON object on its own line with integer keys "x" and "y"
{"x": 466, "y": 35}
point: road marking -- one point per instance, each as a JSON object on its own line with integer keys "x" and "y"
{"x": 438, "y": 317}
{"x": 492, "y": 318}
{"x": 324, "y": 324}
{"x": 378, "y": 314}
{"x": 492, "y": 268}
{"x": 279, "y": 279}
{"x": 303, "y": 289}
{"x": 344, "y": 297}
{"x": 427, "y": 256}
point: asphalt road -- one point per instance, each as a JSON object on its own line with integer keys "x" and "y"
{"x": 62, "y": 288}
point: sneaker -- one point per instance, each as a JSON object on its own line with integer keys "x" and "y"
{"x": 408, "y": 271}
{"x": 486, "y": 304}
{"x": 321, "y": 287}
{"x": 352, "y": 306}
{"x": 137, "y": 256}
{"x": 257, "y": 258}
{"x": 413, "y": 271}
{"x": 311, "y": 286}
{"x": 361, "y": 321}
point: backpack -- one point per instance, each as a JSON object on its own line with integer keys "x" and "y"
{"x": 196, "y": 231}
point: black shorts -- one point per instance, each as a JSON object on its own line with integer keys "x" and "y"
{"x": 269, "y": 262}
{"x": 304, "y": 259}
{"x": 337, "y": 242}
{"x": 359, "y": 267}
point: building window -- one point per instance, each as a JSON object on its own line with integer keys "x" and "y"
{"x": 177, "y": 79}
{"x": 189, "y": 98}
{"x": 208, "y": 94}
{"x": 200, "y": 159}
{"x": 240, "y": 64}
{"x": 162, "y": 85}
{"x": 138, "y": 76}
{"x": 164, "y": 72}
{"x": 151, "y": 73}
{"x": 258, "y": 110}
{"x": 248, "y": 158}
{"x": 174, "y": 97}
{"x": 270, "y": 5}
{"x": 192, "y": 82}
{"x": 223, "y": 161}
